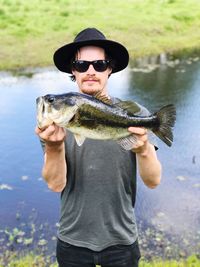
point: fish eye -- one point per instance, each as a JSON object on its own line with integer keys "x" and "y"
{"x": 50, "y": 98}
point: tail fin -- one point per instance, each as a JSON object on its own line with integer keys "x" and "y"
{"x": 166, "y": 117}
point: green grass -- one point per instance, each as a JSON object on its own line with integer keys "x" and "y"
{"x": 191, "y": 261}
{"x": 30, "y": 31}
{"x": 31, "y": 260}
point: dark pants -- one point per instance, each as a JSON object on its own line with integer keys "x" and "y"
{"x": 114, "y": 256}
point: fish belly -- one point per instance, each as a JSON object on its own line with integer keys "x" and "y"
{"x": 100, "y": 133}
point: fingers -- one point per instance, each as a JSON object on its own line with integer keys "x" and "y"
{"x": 141, "y": 136}
{"x": 45, "y": 132}
{"x": 137, "y": 130}
{"x": 140, "y": 133}
{"x": 49, "y": 131}
{"x": 52, "y": 133}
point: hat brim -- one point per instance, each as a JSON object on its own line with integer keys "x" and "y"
{"x": 62, "y": 57}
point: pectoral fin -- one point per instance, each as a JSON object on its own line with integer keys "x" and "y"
{"x": 79, "y": 139}
{"x": 127, "y": 143}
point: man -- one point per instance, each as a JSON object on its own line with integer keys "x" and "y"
{"x": 97, "y": 179}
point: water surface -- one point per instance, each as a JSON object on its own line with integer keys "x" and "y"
{"x": 172, "y": 210}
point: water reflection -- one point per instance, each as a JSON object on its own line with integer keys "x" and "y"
{"x": 171, "y": 209}
{"x": 174, "y": 207}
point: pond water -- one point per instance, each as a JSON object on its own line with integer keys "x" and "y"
{"x": 168, "y": 216}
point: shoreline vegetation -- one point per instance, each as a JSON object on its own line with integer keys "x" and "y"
{"x": 35, "y": 243}
{"x": 32, "y": 30}
{"x": 32, "y": 260}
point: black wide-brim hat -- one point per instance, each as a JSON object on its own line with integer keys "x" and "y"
{"x": 91, "y": 36}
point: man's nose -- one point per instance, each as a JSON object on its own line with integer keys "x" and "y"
{"x": 91, "y": 69}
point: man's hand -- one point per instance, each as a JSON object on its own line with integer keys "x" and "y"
{"x": 149, "y": 165}
{"x": 53, "y": 135}
{"x": 142, "y": 145}
{"x": 54, "y": 169}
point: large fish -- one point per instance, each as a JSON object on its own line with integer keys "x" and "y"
{"x": 97, "y": 117}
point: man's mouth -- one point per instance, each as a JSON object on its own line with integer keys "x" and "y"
{"x": 90, "y": 80}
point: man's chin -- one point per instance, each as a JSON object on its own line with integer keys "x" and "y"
{"x": 90, "y": 91}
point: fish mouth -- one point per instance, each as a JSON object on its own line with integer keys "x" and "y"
{"x": 43, "y": 108}
{"x": 40, "y": 105}
{"x": 43, "y": 119}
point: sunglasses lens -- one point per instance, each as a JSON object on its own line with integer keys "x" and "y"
{"x": 82, "y": 65}
{"x": 100, "y": 65}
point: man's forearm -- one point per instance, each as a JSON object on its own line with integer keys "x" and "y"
{"x": 55, "y": 169}
{"x": 149, "y": 167}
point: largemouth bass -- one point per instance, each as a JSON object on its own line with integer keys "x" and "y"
{"x": 97, "y": 117}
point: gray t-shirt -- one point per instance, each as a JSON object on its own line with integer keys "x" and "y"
{"x": 97, "y": 204}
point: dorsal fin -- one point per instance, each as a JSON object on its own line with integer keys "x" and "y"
{"x": 129, "y": 106}
{"x": 103, "y": 98}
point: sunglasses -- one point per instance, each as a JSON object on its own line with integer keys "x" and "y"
{"x": 83, "y": 65}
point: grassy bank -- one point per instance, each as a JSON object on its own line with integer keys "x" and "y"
{"x": 32, "y": 30}
{"x": 40, "y": 261}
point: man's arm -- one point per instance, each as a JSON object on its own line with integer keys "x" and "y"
{"x": 54, "y": 169}
{"x": 148, "y": 163}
